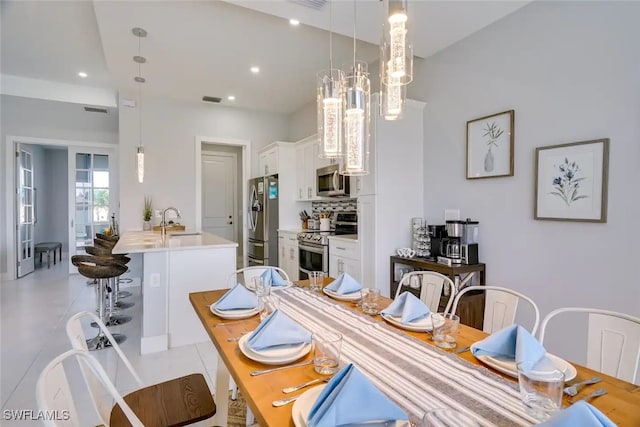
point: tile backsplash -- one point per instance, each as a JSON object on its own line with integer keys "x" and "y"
{"x": 338, "y": 205}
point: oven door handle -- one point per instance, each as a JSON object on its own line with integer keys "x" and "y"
{"x": 313, "y": 249}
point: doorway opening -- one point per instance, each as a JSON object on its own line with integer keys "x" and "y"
{"x": 222, "y": 168}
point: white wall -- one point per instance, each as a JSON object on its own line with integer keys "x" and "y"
{"x": 48, "y": 119}
{"x": 303, "y": 122}
{"x": 169, "y": 131}
{"x": 571, "y": 71}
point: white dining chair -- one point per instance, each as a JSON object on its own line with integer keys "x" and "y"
{"x": 103, "y": 406}
{"x": 613, "y": 341}
{"x": 53, "y": 392}
{"x": 500, "y": 306}
{"x": 431, "y": 285}
{"x": 248, "y": 274}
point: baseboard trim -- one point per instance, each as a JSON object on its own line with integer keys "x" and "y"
{"x": 154, "y": 344}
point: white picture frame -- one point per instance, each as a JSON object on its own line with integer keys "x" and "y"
{"x": 571, "y": 181}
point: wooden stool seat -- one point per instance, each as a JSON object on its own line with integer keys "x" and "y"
{"x": 109, "y": 238}
{"x": 176, "y": 402}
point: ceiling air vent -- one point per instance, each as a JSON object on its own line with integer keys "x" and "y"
{"x": 314, "y": 4}
{"x": 211, "y": 99}
{"x": 95, "y": 110}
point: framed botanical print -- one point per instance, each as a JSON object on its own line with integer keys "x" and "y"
{"x": 571, "y": 181}
{"x": 490, "y": 146}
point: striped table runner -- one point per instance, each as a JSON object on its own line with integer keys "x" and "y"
{"x": 414, "y": 374}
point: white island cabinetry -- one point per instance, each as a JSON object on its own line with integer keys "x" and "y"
{"x": 344, "y": 257}
{"x": 172, "y": 268}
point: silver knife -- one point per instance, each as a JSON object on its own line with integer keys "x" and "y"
{"x": 283, "y": 402}
{"x": 266, "y": 371}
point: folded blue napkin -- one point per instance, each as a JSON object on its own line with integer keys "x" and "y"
{"x": 274, "y": 276}
{"x": 512, "y": 342}
{"x": 579, "y": 414}
{"x": 276, "y": 330}
{"x": 350, "y": 397}
{"x": 409, "y": 307}
{"x": 344, "y": 284}
{"x": 237, "y": 298}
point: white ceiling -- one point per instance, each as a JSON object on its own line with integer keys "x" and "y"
{"x": 206, "y": 48}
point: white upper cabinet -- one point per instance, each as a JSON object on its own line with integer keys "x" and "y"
{"x": 268, "y": 161}
{"x": 307, "y": 161}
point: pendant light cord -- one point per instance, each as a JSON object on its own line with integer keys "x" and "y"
{"x": 355, "y": 16}
{"x": 330, "y": 38}
{"x": 139, "y": 94}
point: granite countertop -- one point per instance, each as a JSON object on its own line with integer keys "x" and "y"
{"x": 151, "y": 241}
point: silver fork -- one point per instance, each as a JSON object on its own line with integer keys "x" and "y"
{"x": 575, "y": 389}
{"x": 598, "y": 392}
{"x": 303, "y": 385}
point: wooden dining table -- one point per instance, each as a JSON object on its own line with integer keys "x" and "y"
{"x": 621, "y": 404}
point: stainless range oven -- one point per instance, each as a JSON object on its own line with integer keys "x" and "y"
{"x": 313, "y": 253}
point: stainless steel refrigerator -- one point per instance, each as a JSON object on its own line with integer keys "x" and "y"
{"x": 263, "y": 221}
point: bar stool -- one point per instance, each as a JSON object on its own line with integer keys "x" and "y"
{"x": 112, "y": 308}
{"x": 100, "y": 269}
{"x": 109, "y": 245}
{"x": 104, "y": 248}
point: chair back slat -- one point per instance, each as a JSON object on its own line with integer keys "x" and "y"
{"x": 500, "y": 311}
{"x": 613, "y": 346}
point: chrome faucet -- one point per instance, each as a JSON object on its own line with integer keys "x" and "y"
{"x": 163, "y": 224}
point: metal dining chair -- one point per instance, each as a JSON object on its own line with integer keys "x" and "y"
{"x": 431, "y": 285}
{"x": 500, "y": 307}
{"x": 613, "y": 341}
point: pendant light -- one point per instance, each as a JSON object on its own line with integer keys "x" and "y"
{"x": 357, "y": 104}
{"x": 139, "y": 59}
{"x": 396, "y": 60}
{"x": 330, "y": 104}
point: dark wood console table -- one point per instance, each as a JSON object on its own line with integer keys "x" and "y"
{"x": 471, "y": 306}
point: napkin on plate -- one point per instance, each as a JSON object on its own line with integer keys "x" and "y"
{"x": 344, "y": 284}
{"x": 512, "y": 342}
{"x": 579, "y": 414}
{"x": 237, "y": 298}
{"x": 408, "y": 307}
{"x": 276, "y": 330}
{"x": 350, "y": 397}
{"x": 276, "y": 278}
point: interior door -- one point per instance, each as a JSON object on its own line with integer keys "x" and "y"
{"x": 92, "y": 195}
{"x": 25, "y": 205}
{"x": 219, "y": 184}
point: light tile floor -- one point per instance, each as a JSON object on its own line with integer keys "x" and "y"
{"x": 33, "y": 315}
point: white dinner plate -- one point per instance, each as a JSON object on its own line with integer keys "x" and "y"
{"x": 274, "y": 356}
{"x": 302, "y": 406}
{"x": 252, "y": 288}
{"x": 235, "y": 314}
{"x": 353, "y": 296}
{"x": 422, "y": 325}
{"x": 508, "y": 366}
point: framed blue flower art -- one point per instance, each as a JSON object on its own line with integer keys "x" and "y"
{"x": 571, "y": 181}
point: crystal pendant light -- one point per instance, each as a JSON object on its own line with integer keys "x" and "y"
{"x": 357, "y": 99}
{"x": 139, "y": 32}
{"x": 396, "y": 60}
{"x": 330, "y": 104}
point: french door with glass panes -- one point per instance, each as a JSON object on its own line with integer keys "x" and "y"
{"x": 25, "y": 193}
{"x": 92, "y": 196}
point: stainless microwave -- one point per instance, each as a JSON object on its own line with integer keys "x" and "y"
{"x": 329, "y": 182}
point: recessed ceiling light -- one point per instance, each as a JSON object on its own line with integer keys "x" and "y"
{"x": 255, "y": 70}
{"x": 231, "y": 98}
{"x": 294, "y": 22}
{"x": 83, "y": 74}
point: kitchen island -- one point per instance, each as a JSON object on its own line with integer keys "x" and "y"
{"x": 172, "y": 268}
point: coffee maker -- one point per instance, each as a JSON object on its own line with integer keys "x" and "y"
{"x": 450, "y": 252}
{"x": 436, "y": 234}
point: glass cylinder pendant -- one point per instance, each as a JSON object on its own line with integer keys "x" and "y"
{"x": 140, "y": 163}
{"x": 330, "y": 108}
{"x": 356, "y": 120}
{"x": 393, "y": 94}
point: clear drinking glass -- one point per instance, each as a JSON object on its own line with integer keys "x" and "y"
{"x": 268, "y": 304}
{"x": 327, "y": 347}
{"x": 262, "y": 286}
{"x": 316, "y": 279}
{"x": 540, "y": 389}
{"x": 446, "y": 417}
{"x": 370, "y": 301}
{"x": 445, "y": 329}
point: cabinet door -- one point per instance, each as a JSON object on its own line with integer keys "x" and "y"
{"x": 321, "y": 162}
{"x": 301, "y": 175}
{"x": 293, "y": 271}
{"x": 282, "y": 251}
{"x": 367, "y": 237}
{"x": 272, "y": 161}
{"x": 263, "y": 166}
{"x": 352, "y": 267}
{"x": 310, "y": 154}
{"x": 335, "y": 265}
